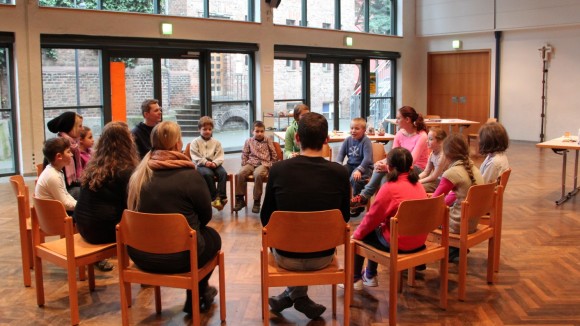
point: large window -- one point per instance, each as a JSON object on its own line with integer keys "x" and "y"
{"x": 339, "y": 84}
{"x": 231, "y": 104}
{"x": 368, "y": 16}
{"x": 72, "y": 81}
{"x": 8, "y": 153}
{"x": 220, "y": 9}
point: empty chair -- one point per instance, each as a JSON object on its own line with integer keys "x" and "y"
{"x": 24, "y": 226}
{"x": 413, "y": 217}
{"x": 480, "y": 200}
{"x": 301, "y": 232}
{"x": 163, "y": 234}
{"x": 49, "y": 218}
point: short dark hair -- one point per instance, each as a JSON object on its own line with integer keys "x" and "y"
{"x": 400, "y": 160}
{"x": 312, "y": 131}
{"x": 298, "y": 108}
{"x": 259, "y": 124}
{"x": 54, "y": 146}
{"x": 493, "y": 138}
{"x": 145, "y": 105}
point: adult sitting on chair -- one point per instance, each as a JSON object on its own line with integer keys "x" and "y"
{"x": 305, "y": 183}
{"x": 166, "y": 182}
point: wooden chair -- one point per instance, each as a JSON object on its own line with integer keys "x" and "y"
{"x": 475, "y": 136}
{"x": 503, "y": 180}
{"x": 49, "y": 217}
{"x": 379, "y": 153}
{"x": 163, "y": 234}
{"x": 39, "y": 169}
{"x": 24, "y": 226}
{"x": 413, "y": 217}
{"x": 480, "y": 200}
{"x": 302, "y": 232}
{"x": 250, "y": 178}
{"x": 230, "y": 177}
{"x": 327, "y": 152}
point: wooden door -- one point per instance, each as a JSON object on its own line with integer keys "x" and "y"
{"x": 458, "y": 86}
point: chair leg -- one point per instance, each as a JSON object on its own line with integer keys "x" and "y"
{"x": 125, "y": 301}
{"x": 497, "y": 245}
{"x": 39, "y": 282}
{"x": 491, "y": 252}
{"x": 158, "y": 299}
{"x": 73, "y": 295}
{"x": 222, "y": 275}
{"x": 411, "y": 276}
{"x": 232, "y": 192}
{"x": 91, "y": 277}
{"x": 462, "y": 272}
{"x": 82, "y": 273}
{"x": 27, "y": 258}
{"x": 443, "y": 276}
{"x": 394, "y": 284}
{"x": 265, "y": 310}
{"x": 334, "y": 300}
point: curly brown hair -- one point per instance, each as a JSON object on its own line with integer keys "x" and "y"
{"x": 115, "y": 152}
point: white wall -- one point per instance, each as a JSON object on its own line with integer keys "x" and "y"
{"x": 526, "y": 26}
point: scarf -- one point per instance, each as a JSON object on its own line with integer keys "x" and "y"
{"x": 74, "y": 170}
{"x": 164, "y": 159}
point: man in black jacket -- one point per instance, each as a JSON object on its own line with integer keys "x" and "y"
{"x": 153, "y": 114}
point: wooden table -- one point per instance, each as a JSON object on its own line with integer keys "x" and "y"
{"x": 443, "y": 122}
{"x": 561, "y": 146}
{"x": 341, "y": 136}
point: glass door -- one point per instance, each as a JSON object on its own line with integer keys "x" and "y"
{"x": 7, "y": 140}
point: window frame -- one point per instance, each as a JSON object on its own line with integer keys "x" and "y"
{"x": 7, "y": 41}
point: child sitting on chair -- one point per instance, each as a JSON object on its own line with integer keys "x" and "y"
{"x": 51, "y": 184}
{"x": 359, "y": 150}
{"x": 431, "y": 176}
{"x": 493, "y": 142}
{"x": 258, "y": 155}
{"x": 208, "y": 155}
{"x": 86, "y": 143}
{"x": 402, "y": 184}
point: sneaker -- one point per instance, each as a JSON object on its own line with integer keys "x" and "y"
{"x": 104, "y": 265}
{"x": 308, "y": 307}
{"x": 357, "y": 285}
{"x": 358, "y": 201}
{"x": 370, "y": 281}
{"x": 224, "y": 201}
{"x": 256, "y": 208}
{"x": 280, "y": 302}
{"x": 355, "y": 212}
{"x": 240, "y": 203}
{"x": 217, "y": 204}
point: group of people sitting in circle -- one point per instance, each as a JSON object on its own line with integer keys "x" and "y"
{"x": 145, "y": 170}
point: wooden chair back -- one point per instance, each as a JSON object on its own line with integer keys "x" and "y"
{"x": 49, "y": 217}
{"x": 187, "y": 151}
{"x": 278, "y": 149}
{"x": 504, "y": 177}
{"x": 20, "y": 190}
{"x": 379, "y": 152}
{"x": 163, "y": 234}
{"x": 304, "y": 232}
{"x": 327, "y": 151}
{"x": 413, "y": 217}
{"x": 480, "y": 200}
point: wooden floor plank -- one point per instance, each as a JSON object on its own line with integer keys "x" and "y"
{"x": 538, "y": 282}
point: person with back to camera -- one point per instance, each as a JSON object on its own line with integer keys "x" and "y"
{"x": 291, "y": 148}
{"x": 69, "y": 125}
{"x": 459, "y": 177}
{"x": 258, "y": 155}
{"x": 166, "y": 181}
{"x": 431, "y": 176}
{"x": 103, "y": 196}
{"x": 359, "y": 150}
{"x": 152, "y": 115}
{"x": 307, "y": 182}
{"x": 412, "y": 135}
{"x": 493, "y": 142}
{"x": 402, "y": 184}
{"x": 208, "y": 155}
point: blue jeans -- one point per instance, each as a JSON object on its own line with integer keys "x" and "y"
{"x": 357, "y": 186}
{"x": 208, "y": 175}
{"x": 300, "y": 264}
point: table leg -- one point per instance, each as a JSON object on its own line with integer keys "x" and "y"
{"x": 564, "y": 197}
{"x": 575, "y": 190}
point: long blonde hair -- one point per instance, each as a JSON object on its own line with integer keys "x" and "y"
{"x": 165, "y": 136}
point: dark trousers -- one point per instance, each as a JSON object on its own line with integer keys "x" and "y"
{"x": 222, "y": 176}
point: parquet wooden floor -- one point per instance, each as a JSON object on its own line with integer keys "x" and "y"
{"x": 538, "y": 282}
